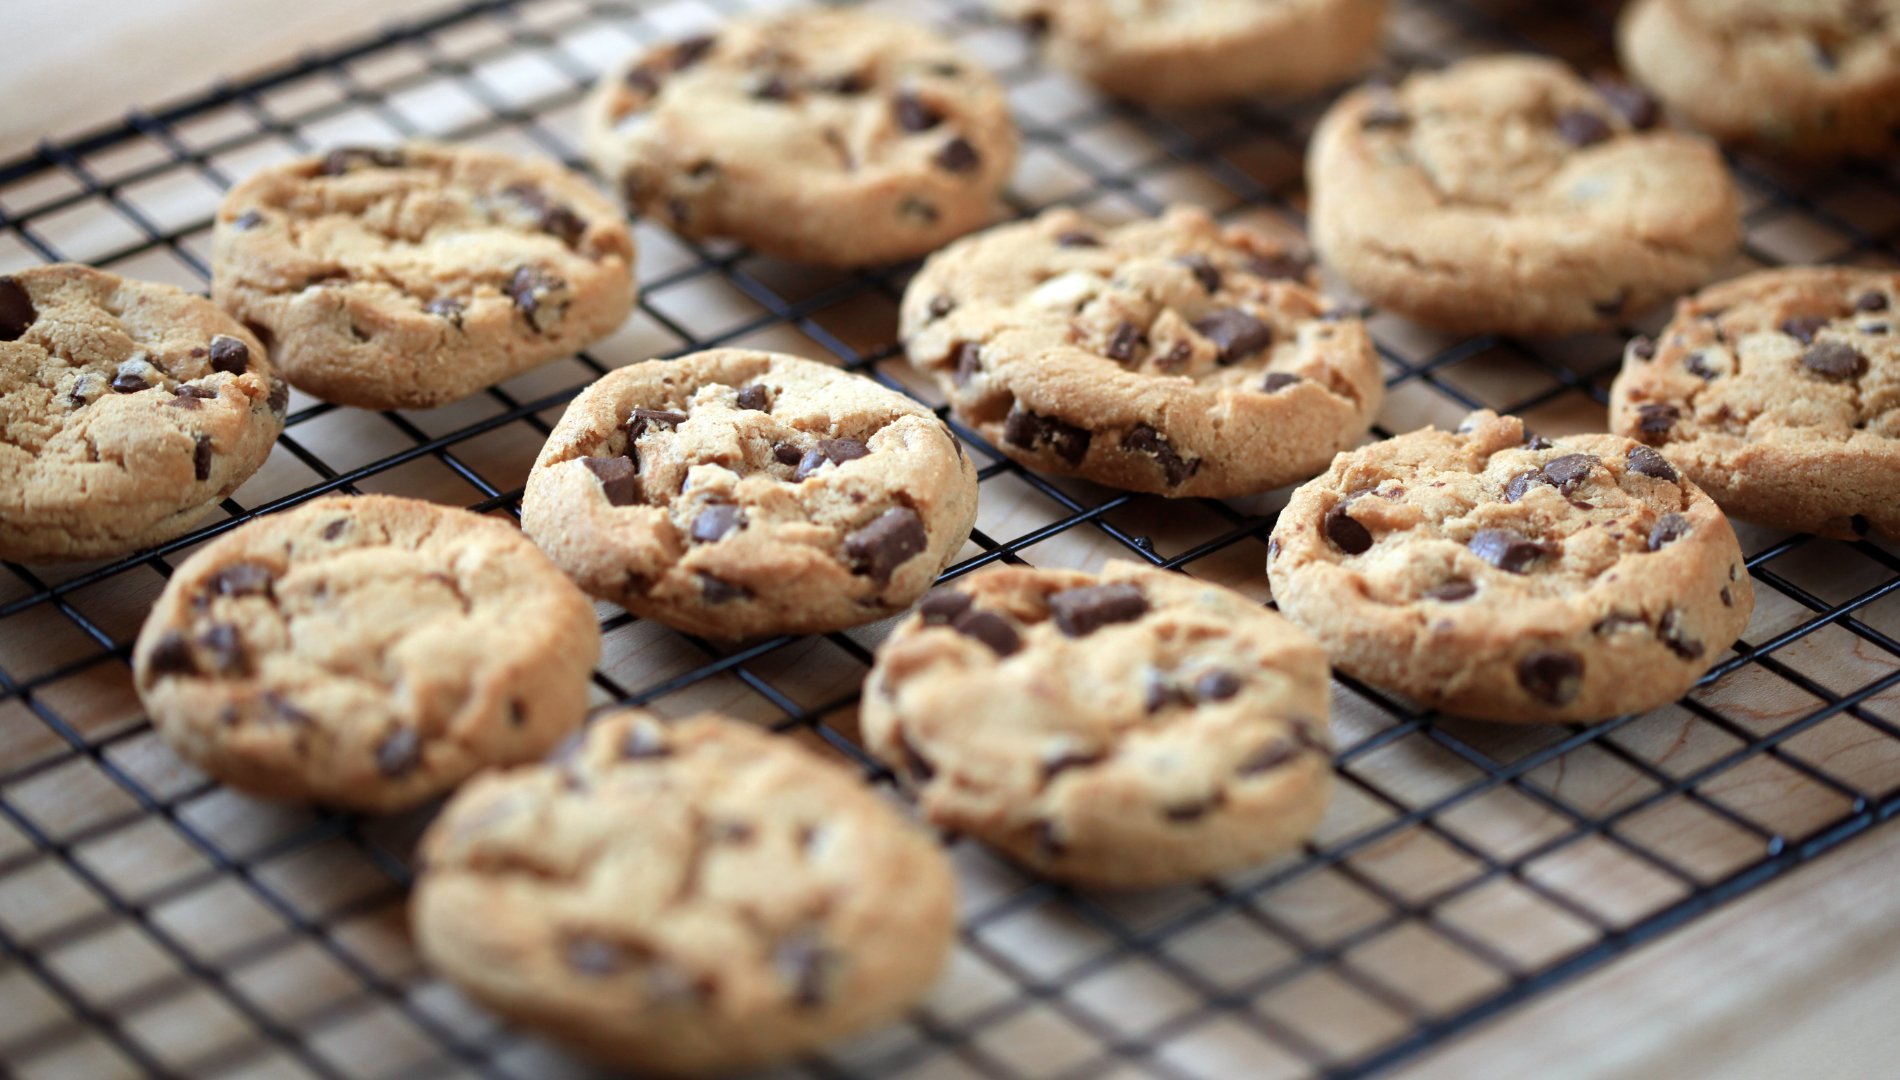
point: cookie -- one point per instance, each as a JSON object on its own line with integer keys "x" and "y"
{"x": 1202, "y": 53}
{"x": 1779, "y": 393}
{"x": 410, "y": 277}
{"x": 735, "y": 494}
{"x": 1504, "y": 194}
{"x": 366, "y": 652}
{"x": 130, "y": 410}
{"x": 1791, "y": 77}
{"x": 1171, "y": 356}
{"x": 817, "y": 135}
{"x": 684, "y": 899}
{"x": 1509, "y": 577}
{"x": 1126, "y": 730}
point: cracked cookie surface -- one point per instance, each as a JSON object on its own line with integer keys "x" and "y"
{"x": 410, "y": 277}
{"x": 1505, "y": 194}
{"x": 736, "y": 494}
{"x": 128, "y": 411}
{"x": 366, "y": 652}
{"x": 683, "y": 899}
{"x": 1131, "y": 729}
{"x": 821, "y": 136}
{"x": 1171, "y": 356}
{"x": 1779, "y": 393}
{"x": 1174, "y": 52}
{"x": 1505, "y": 578}
{"x": 1808, "y": 78}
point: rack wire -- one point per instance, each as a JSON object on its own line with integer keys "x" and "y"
{"x": 156, "y": 924}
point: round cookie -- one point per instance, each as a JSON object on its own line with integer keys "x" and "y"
{"x": 684, "y": 899}
{"x": 737, "y": 494}
{"x": 1135, "y": 729}
{"x": 818, "y": 135}
{"x": 1502, "y": 577}
{"x": 1206, "y": 52}
{"x": 1171, "y": 356}
{"x": 408, "y": 278}
{"x": 130, "y": 410}
{"x": 1779, "y": 393}
{"x": 1797, "y": 77}
{"x": 366, "y": 652}
{"x": 1504, "y": 194}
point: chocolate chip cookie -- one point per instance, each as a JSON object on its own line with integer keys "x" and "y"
{"x": 1505, "y": 577}
{"x": 1779, "y": 392}
{"x": 1172, "y": 356}
{"x": 1206, "y": 52}
{"x": 1787, "y": 76}
{"x": 366, "y": 652}
{"x": 819, "y": 135}
{"x": 407, "y": 278}
{"x": 129, "y": 410}
{"x": 735, "y": 494}
{"x": 1126, "y": 730}
{"x": 684, "y": 899}
{"x": 1505, "y": 194}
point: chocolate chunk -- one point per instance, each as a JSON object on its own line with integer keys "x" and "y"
{"x": 1858, "y": 523}
{"x": 1834, "y": 360}
{"x": 1122, "y": 343}
{"x": 915, "y": 763}
{"x": 1697, "y": 364}
{"x": 1081, "y": 612}
{"x": 836, "y": 451}
{"x": 692, "y": 51}
{"x": 187, "y": 396}
{"x": 807, "y": 966}
{"x": 1065, "y": 755}
{"x": 1452, "y": 591}
{"x": 446, "y": 307}
{"x": 755, "y": 398}
{"x": 1872, "y": 301}
{"x": 1643, "y": 349}
{"x": 989, "y": 628}
{"x": 1669, "y": 528}
{"x": 129, "y": 382}
{"x": 1521, "y": 484}
{"x": 1203, "y": 269}
{"x": 555, "y": 218}
{"x": 344, "y": 158}
{"x": 1656, "y": 419}
{"x": 1346, "y": 534}
{"x": 786, "y": 454}
{"x": 172, "y": 655}
{"x": 715, "y": 521}
{"x": 1282, "y": 267}
{"x": 1077, "y": 238}
{"x": 1537, "y": 442}
{"x": 279, "y": 396}
{"x": 619, "y": 478}
{"x": 1728, "y": 598}
{"x": 1507, "y": 549}
{"x": 201, "y": 457}
{"x": 248, "y": 220}
{"x": 1581, "y": 128}
{"x": 958, "y": 156}
{"x": 1216, "y": 685}
{"x": 719, "y": 591}
{"x": 886, "y": 543}
{"x": 849, "y": 83}
{"x": 1235, "y": 333}
{"x": 1176, "y": 356}
{"x": 1027, "y": 430}
{"x": 643, "y": 79}
{"x": 335, "y": 528}
{"x": 282, "y": 710}
{"x": 969, "y": 362}
{"x": 942, "y": 608}
{"x": 772, "y": 87}
{"x": 1278, "y": 381}
{"x": 645, "y": 741}
{"x": 1670, "y": 629}
{"x": 241, "y": 579}
{"x": 1275, "y": 753}
{"x": 1803, "y": 327}
{"x": 1184, "y": 813}
{"x": 1146, "y": 440}
{"x": 1384, "y": 113}
{"x": 1550, "y": 676}
{"x": 229, "y": 355}
{"x": 594, "y": 957}
{"x": 225, "y": 644}
{"x": 639, "y": 419}
{"x": 400, "y": 752}
{"x": 1636, "y": 106}
{"x": 1646, "y": 462}
{"x": 913, "y": 115}
{"x": 1570, "y": 471}
{"x": 1161, "y": 693}
{"x": 531, "y": 289}
{"x": 941, "y": 306}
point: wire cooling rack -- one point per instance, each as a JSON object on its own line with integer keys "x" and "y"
{"x": 154, "y": 923}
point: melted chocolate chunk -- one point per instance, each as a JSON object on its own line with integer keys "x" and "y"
{"x": 755, "y": 398}
{"x": 1216, "y": 685}
{"x": 913, "y": 115}
{"x": 836, "y": 451}
{"x": 772, "y": 87}
{"x": 1858, "y": 523}
{"x": 1834, "y": 360}
{"x": 344, "y": 158}
{"x": 888, "y": 542}
{"x": 201, "y": 457}
{"x": 1670, "y": 629}
{"x": 188, "y": 396}
{"x": 229, "y": 355}
{"x": 171, "y": 655}
{"x": 225, "y": 644}
{"x": 692, "y": 51}
{"x": 1280, "y": 380}
{"x": 1643, "y": 349}
{"x": 1203, "y": 269}
{"x": 849, "y": 83}
{"x": 1657, "y": 419}
{"x": 1570, "y": 471}
{"x": 1551, "y": 676}
{"x": 1275, "y": 753}
{"x": 1635, "y": 106}
{"x": 1028, "y": 431}
{"x": 941, "y": 306}
{"x": 1384, "y": 113}
{"x": 1123, "y": 342}
{"x": 1521, "y": 484}
{"x": 1669, "y": 528}
{"x": 639, "y": 419}
{"x": 715, "y": 522}
{"x": 129, "y": 382}
{"x": 787, "y": 454}
{"x": 531, "y": 289}
{"x": 279, "y": 396}
{"x": 969, "y": 360}
{"x": 717, "y": 591}
{"x": 643, "y": 79}
{"x": 1872, "y": 301}
{"x": 1697, "y": 364}
{"x": 1452, "y": 591}
{"x": 1062, "y": 757}
{"x": 1081, "y": 612}
{"x": 989, "y": 628}
{"x": 942, "y": 608}
{"x": 1176, "y": 356}
{"x": 1235, "y": 333}
{"x": 1728, "y": 598}
{"x": 1507, "y": 549}
{"x": 241, "y": 579}
{"x": 446, "y": 307}
{"x": 1077, "y": 238}
{"x": 1146, "y": 440}
{"x": 619, "y": 478}
{"x": 1803, "y": 327}
{"x": 1346, "y": 534}
{"x": 1537, "y": 442}
{"x": 1581, "y": 128}
{"x": 400, "y": 753}
{"x": 1186, "y": 812}
{"x": 1646, "y": 462}
{"x": 958, "y": 156}
{"x": 335, "y": 528}
{"x": 1283, "y": 267}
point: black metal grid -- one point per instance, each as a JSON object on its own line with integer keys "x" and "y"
{"x": 155, "y": 924}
